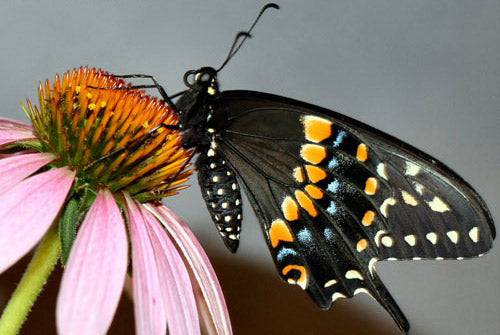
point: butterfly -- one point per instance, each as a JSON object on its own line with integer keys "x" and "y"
{"x": 333, "y": 195}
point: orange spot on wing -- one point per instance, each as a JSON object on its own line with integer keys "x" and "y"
{"x": 315, "y": 173}
{"x": 317, "y": 129}
{"x": 362, "y": 152}
{"x": 306, "y": 203}
{"x": 314, "y": 191}
{"x": 361, "y": 245}
{"x": 313, "y": 153}
{"x": 371, "y": 186}
{"x": 279, "y": 231}
{"x": 290, "y": 209}
{"x": 302, "y": 280}
{"x": 298, "y": 174}
{"x": 368, "y": 218}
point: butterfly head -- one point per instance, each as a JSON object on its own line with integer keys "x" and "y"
{"x": 203, "y": 80}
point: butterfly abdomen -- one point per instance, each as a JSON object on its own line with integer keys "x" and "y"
{"x": 222, "y": 196}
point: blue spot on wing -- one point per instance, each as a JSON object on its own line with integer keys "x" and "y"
{"x": 328, "y": 232}
{"x": 333, "y": 187}
{"x": 332, "y": 209}
{"x": 333, "y": 163}
{"x": 304, "y": 236}
{"x": 284, "y": 252}
{"x": 340, "y": 138}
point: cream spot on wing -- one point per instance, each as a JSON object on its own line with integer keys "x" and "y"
{"x": 337, "y": 295}
{"x": 411, "y": 240}
{"x": 432, "y": 237}
{"x": 362, "y": 290}
{"x": 378, "y": 236}
{"x": 382, "y": 171}
{"x": 387, "y": 241}
{"x": 474, "y": 234}
{"x": 371, "y": 265}
{"x": 409, "y": 199}
{"x": 331, "y": 282}
{"x": 419, "y": 188}
{"x": 412, "y": 169}
{"x": 353, "y": 274}
{"x": 438, "y": 205}
{"x": 385, "y": 206}
{"x": 453, "y": 236}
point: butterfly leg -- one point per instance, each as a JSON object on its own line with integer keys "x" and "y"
{"x": 155, "y": 84}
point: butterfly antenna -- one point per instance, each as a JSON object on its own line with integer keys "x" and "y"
{"x": 242, "y": 36}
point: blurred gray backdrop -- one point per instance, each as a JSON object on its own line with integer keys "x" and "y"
{"x": 427, "y": 72}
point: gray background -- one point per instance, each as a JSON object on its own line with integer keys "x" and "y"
{"x": 424, "y": 71}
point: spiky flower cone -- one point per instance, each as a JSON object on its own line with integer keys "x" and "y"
{"x": 110, "y": 135}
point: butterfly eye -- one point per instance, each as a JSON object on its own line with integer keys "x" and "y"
{"x": 204, "y": 77}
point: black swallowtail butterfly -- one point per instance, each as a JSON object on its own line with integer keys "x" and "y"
{"x": 333, "y": 195}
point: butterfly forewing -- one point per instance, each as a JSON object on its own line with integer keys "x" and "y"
{"x": 334, "y": 196}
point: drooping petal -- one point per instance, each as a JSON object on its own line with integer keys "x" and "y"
{"x": 200, "y": 265}
{"x": 180, "y": 303}
{"x": 149, "y": 308}
{"x": 93, "y": 281}
{"x": 11, "y": 131}
{"x": 15, "y": 168}
{"x": 28, "y": 210}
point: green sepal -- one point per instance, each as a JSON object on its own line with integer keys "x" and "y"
{"x": 27, "y": 145}
{"x": 72, "y": 217}
{"x": 67, "y": 228}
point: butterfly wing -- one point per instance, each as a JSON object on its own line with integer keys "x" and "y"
{"x": 334, "y": 196}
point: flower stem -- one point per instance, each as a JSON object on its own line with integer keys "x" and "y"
{"x": 41, "y": 266}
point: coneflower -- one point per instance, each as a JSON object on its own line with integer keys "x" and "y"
{"x": 86, "y": 179}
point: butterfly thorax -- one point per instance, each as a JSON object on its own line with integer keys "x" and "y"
{"x": 196, "y": 108}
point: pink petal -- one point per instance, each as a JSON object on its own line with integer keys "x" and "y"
{"x": 93, "y": 281}
{"x": 200, "y": 265}
{"x": 11, "y": 131}
{"x": 150, "y": 310}
{"x": 15, "y": 168}
{"x": 28, "y": 210}
{"x": 180, "y": 303}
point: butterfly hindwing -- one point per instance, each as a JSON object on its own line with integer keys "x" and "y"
{"x": 334, "y": 196}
